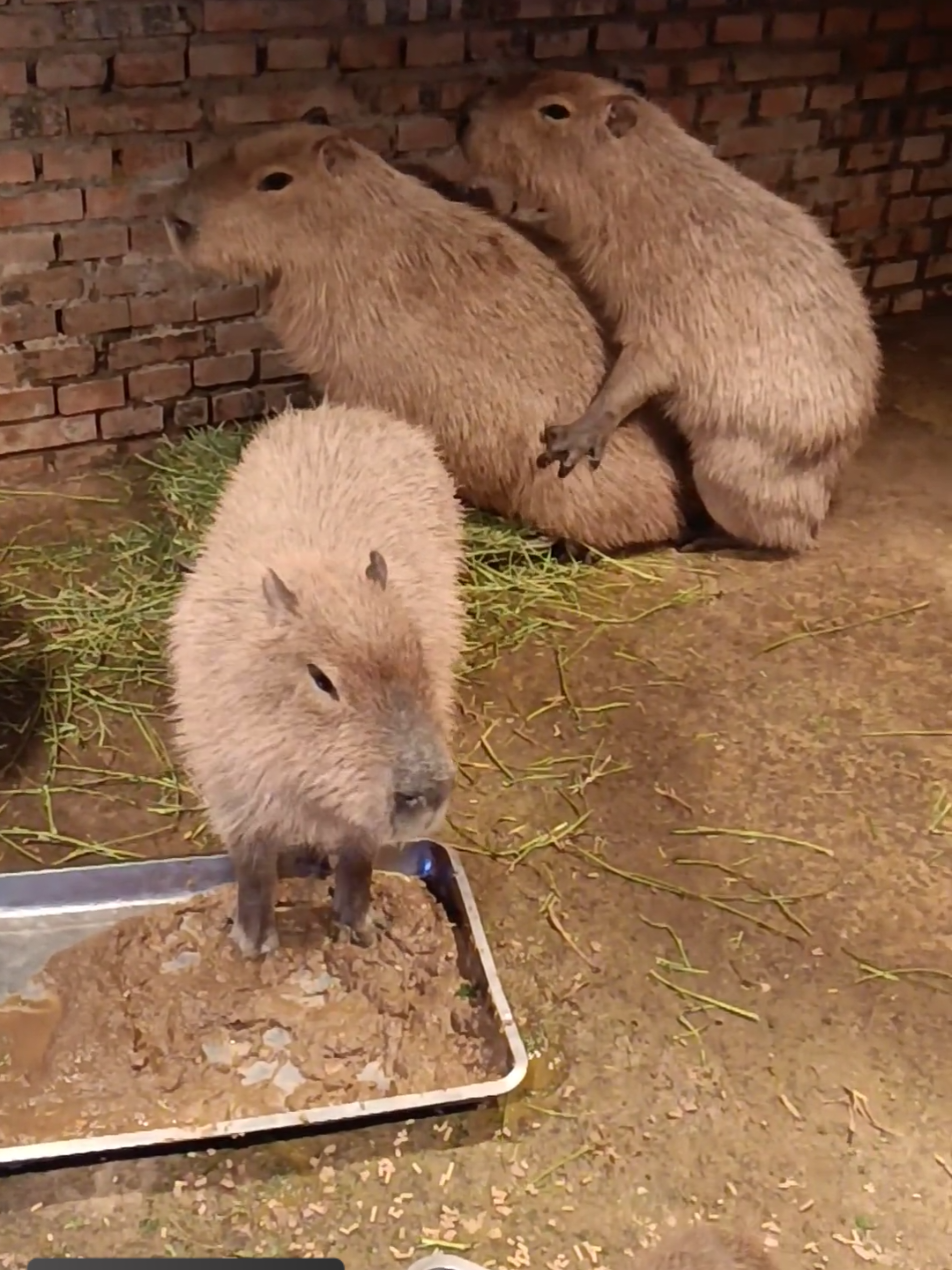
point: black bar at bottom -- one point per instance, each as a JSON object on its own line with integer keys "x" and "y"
{"x": 187, "y": 1263}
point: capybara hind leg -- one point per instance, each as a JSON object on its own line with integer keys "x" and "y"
{"x": 757, "y": 501}
{"x": 256, "y": 874}
{"x": 351, "y": 905}
{"x": 712, "y": 542}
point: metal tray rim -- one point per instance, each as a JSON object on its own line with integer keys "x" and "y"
{"x": 340, "y": 1115}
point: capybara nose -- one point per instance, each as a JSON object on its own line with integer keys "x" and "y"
{"x": 462, "y": 123}
{"x": 182, "y": 229}
{"x": 426, "y": 797}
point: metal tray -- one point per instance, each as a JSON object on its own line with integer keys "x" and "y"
{"x": 45, "y": 911}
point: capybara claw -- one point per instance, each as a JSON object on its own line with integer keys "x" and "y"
{"x": 248, "y": 947}
{"x": 568, "y": 446}
{"x": 364, "y": 936}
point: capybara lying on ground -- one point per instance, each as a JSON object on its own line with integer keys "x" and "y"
{"x": 313, "y": 651}
{"x": 730, "y": 304}
{"x": 390, "y": 295}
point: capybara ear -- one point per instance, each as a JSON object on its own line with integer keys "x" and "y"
{"x": 316, "y": 115}
{"x": 281, "y": 599}
{"x": 336, "y": 153}
{"x": 377, "y": 570}
{"x": 621, "y": 115}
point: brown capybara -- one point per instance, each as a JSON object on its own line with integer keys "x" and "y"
{"x": 390, "y": 295}
{"x": 730, "y": 305}
{"x": 704, "y": 1247}
{"x": 313, "y": 649}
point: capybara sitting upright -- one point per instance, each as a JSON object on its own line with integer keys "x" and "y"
{"x": 730, "y": 305}
{"x": 313, "y": 651}
{"x": 390, "y": 295}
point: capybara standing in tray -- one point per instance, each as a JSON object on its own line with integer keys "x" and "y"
{"x": 313, "y": 652}
{"x": 390, "y": 295}
{"x": 730, "y": 305}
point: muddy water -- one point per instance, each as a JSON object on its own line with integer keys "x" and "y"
{"x": 159, "y": 1022}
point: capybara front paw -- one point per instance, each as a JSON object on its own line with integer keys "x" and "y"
{"x": 364, "y": 936}
{"x": 249, "y": 947}
{"x": 567, "y": 446}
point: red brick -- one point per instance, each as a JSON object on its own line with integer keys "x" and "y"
{"x": 12, "y": 78}
{"x": 132, "y": 421}
{"x": 191, "y": 413}
{"x": 94, "y": 394}
{"x": 857, "y": 216}
{"x": 274, "y": 364}
{"x": 142, "y": 116}
{"x": 845, "y": 21}
{"x": 232, "y": 60}
{"x": 149, "y": 239}
{"x": 153, "y": 158}
{"x": 725, "y": 106}
{"x": 161, "y": 310}
{"x": 739, "y": 29}
{"x": 934, "y": 80}
{"x": 235, "y": 368}
{"x": 831, "y": 96}
{"x": 26, "y": 323}
{"x": 41, "y": 208}
{"x": 935, "y": 178}
{"x": 488, "y": 46}
{"x": 570, "y": 43}
{"x": 229, "y": 302}
{"x": 897, "y": 19}
{"x": 51, "y": 287}
{"x": 909, "y": 301}
{"x": 305, "y": 55}
{"x": 138, "y": 277}
{"x": 26, "y": 403}
{"x": 71, "y": 70}
{"x": 707, "y": 72}
{"x": 870, "y": 154}
{"x": 939, "y": 18}
{"x": 433, "y": 48}
{"x": 121, "y": 201}
{"x": 161, "y": 65}
{"x": 77, "y": 164}
{"x": 93, "y": 242}
{"x": 681, "y": 35}
{"x": 895, "y": 274}
{"x": 375, "y": 137}
{"x": 239, "y": 337}
{"x": 777, "y": 102}
{"x": 60, "y": 359}
{"x": 614, "y": 37}
{"x": 271, "y": 15}
{"x": 26, "y": 248}
{"x": 939, "y": 266}
{"x": 900, "y": 180}
{"x": 245, "y": 403}
{"x": 942, "y": 208}
{"x": 160, "y": 383}
{"x": 254, "y": 108}
{"x": 90, "y": 319}
{"x": 29, "y": 31}
{"x": 765, "y": 138}
{"x": 368, "y": 50}
{"x": 148, "y": 350}
{"x": 17, "y": 168}
{"x": 887, "y": 84}
{"x": 423, "y": 132}
{"x": 922, "y": 149}
{"x": 908, "y": 211}
{"x": 815, "y": 164}
{"x": 45, "y": 434}
{"x": 767, "y": 64}
{"x": 796, "y": 26}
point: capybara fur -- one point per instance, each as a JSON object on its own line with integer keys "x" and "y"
{"x": 313, "y": 649}
{"x": 730, "y": 305}
{"x": 388, "y": 294}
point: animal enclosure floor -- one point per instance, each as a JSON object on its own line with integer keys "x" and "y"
{"x": 762, "y": 1039}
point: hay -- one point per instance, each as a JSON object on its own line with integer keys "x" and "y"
{"x": 87, "y": 630}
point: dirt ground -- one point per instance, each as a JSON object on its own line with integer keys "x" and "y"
{"x": 816, "y": 1111}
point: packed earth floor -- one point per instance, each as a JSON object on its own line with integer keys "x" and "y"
{"x": 706, "y": 810}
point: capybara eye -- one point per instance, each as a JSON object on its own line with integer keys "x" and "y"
{"x": 321, "y": 681}
{"x": 554, "y": 111}
{"x": 275, "y": 181}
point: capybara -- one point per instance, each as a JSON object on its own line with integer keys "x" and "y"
{"x": 313, "y": 649}
{"x": 729, "y": 304}
{"x": 704, "y": 1247}
{"x": 390, "y": 295}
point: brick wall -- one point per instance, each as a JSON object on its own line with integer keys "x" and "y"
{"x": 847, "y": 109}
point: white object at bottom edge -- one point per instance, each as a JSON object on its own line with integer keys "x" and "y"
{"x": 444, "y": 1261}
